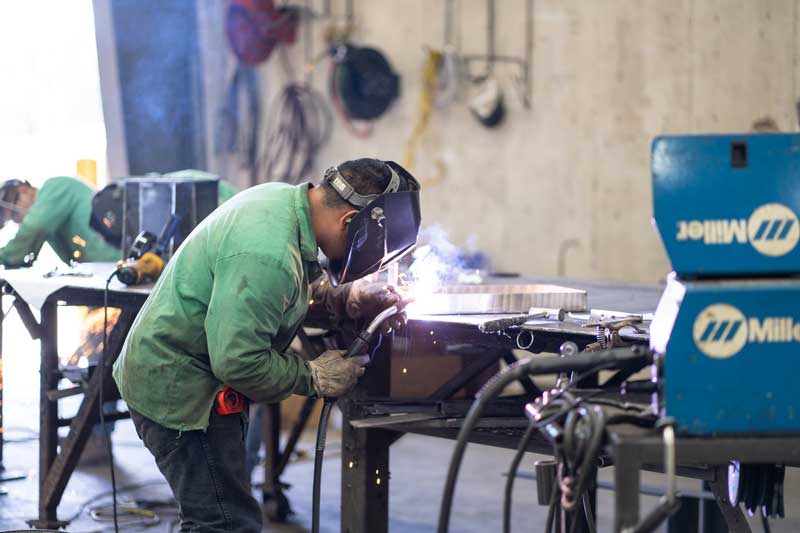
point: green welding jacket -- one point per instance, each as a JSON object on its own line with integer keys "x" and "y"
{"x": 59, "y": 216}
{"x": 224, "y": 311}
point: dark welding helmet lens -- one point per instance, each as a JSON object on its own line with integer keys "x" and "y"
{"x": 382, "y": 232}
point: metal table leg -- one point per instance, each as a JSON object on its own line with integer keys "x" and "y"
{"x": 365, "y": 455}
{"x": 48, "y": 413}
{"x": 626, "y": 480}
{"x": 55, "y": 468}
{"x": 276, "y": 505}
{"x": 365, "y": 480}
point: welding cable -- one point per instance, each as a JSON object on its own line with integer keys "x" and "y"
{"x": 237, "y": 129}
{"x": 585, "y": 452}
{"x": 551, "y": 510}
{"x": 102, "y": 369}
{"x": 496, "y": 385}
{"x": 512, "y": 474}
{"x": 587, "y": 510}
{"x": 322, "y": 430}
{"x": 301, "y": 125}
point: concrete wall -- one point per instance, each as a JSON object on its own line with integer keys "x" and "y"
{"x": 564, "y": 187}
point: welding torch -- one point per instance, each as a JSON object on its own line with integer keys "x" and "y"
{"x": 359, "y": 346}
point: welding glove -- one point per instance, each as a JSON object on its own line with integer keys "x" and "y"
{"x": 333, "y": 375}
{"x": 366, "y": 300}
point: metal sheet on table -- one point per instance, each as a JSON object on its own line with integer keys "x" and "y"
{"x": 501, "y": 298}
{"x": 634, "y": 298}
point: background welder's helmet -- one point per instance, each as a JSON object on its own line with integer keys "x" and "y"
{"x": 106, "y": 217}
{"x": 385, "y": 228}
{"x": 9, "y": 196}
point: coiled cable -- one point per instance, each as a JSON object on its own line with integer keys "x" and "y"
{"x": 300, "y": 125}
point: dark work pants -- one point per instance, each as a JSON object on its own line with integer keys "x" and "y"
{"x": 206, "y": 471}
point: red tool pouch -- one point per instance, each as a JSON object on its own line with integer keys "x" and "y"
{"x": 230, "y": 402}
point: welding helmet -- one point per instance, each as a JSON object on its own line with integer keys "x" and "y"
{"x": 106, "y": 216}
{"x": 363, "y": 82}
{"x": 385, "y": 228}
{"x": 9, "y": 195}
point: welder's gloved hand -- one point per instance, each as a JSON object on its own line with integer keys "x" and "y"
{"x": 333, "y": 375}
{"x": 366, "y": 300}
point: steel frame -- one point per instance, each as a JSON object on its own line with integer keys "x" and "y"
{"x": 56, "y": 466}
{"x": 372, "y": 422}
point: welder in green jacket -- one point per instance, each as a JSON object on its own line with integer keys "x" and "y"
{"x": 229, "y": 303}
{"x": 57, "y": 213}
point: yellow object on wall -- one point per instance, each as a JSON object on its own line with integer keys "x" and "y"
{"x": 87, "y": 170}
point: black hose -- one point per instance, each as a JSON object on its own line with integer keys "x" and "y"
{"x": 512, "y": 474}
{"x": 102, "y": 370}
{"x": 496, "y": 385}
{"x": 587, "y": 510}
{"x": 551, "y": 511}
{"x": 589, "y": 450}
{"x": 322, "y": 431}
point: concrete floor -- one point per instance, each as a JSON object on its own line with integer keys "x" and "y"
{"x": 418, "y": 468}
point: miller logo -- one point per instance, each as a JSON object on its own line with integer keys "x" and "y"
{"x": 773, "y": 230}
{"x": 721, "y": 330}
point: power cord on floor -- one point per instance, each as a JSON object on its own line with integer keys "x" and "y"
{"x": 101, "y": 405}
{"x": 101, "y": 495}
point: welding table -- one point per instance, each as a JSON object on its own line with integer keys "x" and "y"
{"x": 30, "y": 289}
{"x": 373, "y": 421}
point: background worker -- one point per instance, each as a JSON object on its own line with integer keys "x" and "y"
{"x": 226, "y": 308}
{"x": 58, "y": 213}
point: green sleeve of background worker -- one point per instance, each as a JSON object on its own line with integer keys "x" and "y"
{"x": 248, "y": 301}
{"x": 225, "y": 191}
{"x": 47, "y": 212}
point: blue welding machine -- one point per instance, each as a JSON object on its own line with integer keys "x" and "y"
{"x": 728, "y": 323}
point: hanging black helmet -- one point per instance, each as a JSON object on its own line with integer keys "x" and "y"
{"x": 365, "y": 81}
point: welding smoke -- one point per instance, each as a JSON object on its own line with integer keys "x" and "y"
{"x": 437, "y": 261}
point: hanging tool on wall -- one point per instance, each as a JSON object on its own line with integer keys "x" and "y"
{"x": 449, "y": 78}
{"x": 486, "y": 101}
{"x": 237, "y": 128}
{"x": 430, "y": 78}
{"x": 362, "y": 84}
{"x": 301, "y": 122}
{"x": 253, "y": 28}
{"x": 441, "y": 79}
